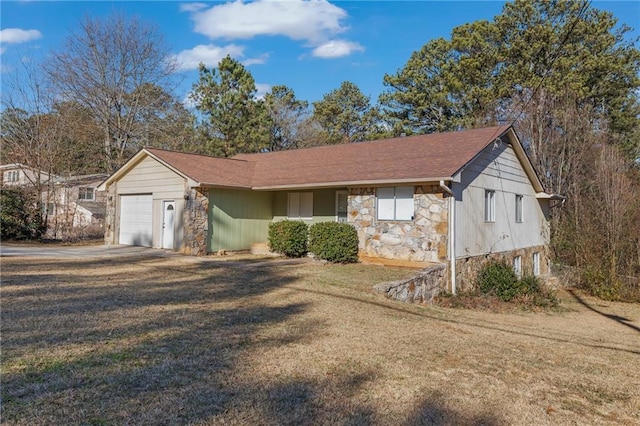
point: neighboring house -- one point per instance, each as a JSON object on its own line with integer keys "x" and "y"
{"x": 20, "y": 175}
{"x": 72, "y": 205}
{"x": 400, "y": 194}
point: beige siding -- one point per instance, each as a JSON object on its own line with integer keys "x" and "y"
{"x": 151, "y": 177}
{"x": 496, "y": 168}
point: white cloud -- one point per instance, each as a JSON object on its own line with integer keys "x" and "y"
{"x": 192, "y": 7}
{"x": 262, "y": 89}
{"x": 313, "y": 21}
{"x": 208, "y": 54}
{"x": 256, "y": 61}
{"x": 18, "y": 35}
{"x": 336, "y": 49}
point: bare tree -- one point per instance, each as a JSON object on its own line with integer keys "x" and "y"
{"x": 104, "y": 66}
{"x": 30, "y": 134}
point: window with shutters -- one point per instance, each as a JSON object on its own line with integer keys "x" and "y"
{"x": 300, "y": 205}
{"x": 395, "y": 203}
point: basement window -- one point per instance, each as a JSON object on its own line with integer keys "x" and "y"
{"x": 536, "y": 264}
{"x": 517, "y": 266}
{"x": 395, "y": 203}
{"x": 300, "y": 205}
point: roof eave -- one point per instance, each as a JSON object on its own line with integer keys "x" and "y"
{"x": 361, "y": 183}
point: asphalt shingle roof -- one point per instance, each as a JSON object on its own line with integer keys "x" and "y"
{"x": 413, "y": 158}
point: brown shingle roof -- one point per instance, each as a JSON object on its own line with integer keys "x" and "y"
{"x": 208, "y": 170}
{"x": 418, "y": 158}
{"x": 412, "y": 158}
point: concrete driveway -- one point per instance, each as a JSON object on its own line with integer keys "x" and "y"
{"x": 44, "y": 250}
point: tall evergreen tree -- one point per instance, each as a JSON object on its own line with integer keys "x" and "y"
{"x": 236, "y": 121}
{"x": 345, "y": 114}
{"x": 488, "y": 71}
{"x": 287, "y": 116}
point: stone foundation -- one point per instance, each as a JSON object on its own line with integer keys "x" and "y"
{"x": 423, "y": 239}
{"x": 195, "y": 217}
{"x": 467, "y": 269}
{"x": 421, "y": 289}
{"x": 110, "y": 216}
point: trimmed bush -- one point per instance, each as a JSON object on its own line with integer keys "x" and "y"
{"x": 333, "y": 241}
{"x": 288, "y": 237}
{"x": 498, "y": 278}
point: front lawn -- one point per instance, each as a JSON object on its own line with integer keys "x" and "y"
{"x": 180, "y": 340}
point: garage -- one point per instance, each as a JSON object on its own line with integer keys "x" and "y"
{"x": 136, "y": 220}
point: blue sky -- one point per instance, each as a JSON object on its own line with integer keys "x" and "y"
{"x": 310, "y": 46}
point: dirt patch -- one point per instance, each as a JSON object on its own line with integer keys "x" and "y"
{"x": 178, "y": 340}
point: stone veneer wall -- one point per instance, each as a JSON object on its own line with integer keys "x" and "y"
{"x": 421, "y": 289}
{"x": 467, "y": 269}
{"x": 422, "y": 239}
{"x": 110, "y": 216}
{"x": 195, "y": 217}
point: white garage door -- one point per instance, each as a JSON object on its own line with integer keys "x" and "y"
{"x": 136, "y": 213}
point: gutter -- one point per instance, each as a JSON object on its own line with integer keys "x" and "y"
{"x": 452, "y": 234}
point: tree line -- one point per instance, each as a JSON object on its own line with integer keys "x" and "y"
{"x": 564, "y": 73}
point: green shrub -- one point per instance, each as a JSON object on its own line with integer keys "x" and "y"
{"x": 333, "y": 241}
{"x": 288, "y": 237}
{"x": 19, "y": 216}
{"x": 498, "y": 278}
{"x": 530, "y": 285}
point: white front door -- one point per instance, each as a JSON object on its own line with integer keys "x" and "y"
{"x": 168, "y": 219}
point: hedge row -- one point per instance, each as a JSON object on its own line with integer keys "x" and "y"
{"x": 331, "y": 241}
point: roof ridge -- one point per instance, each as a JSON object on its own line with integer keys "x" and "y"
{"x": 499, "y": 129}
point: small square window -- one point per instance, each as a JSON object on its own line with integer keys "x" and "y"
{"x": 489, "y": 205}
{"x": 85, "y": 194}
{"x": 395, "y": 203}
{"x": 519, "y": 208}
{"x": 300, "y": 205}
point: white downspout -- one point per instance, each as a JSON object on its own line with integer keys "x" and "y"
{"x": 452, "y": 235}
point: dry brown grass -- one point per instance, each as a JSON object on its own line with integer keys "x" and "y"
{"x": 185, "y": 341}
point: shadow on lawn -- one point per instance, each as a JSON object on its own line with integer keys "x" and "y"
{"x": 174, "y": 347}
{"x": 620, "y": 320}
{"x": 167, "y": 364}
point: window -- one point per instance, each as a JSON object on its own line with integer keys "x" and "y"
{"x": 536, "y": 264}
{"x": 489, "y": 205}
{"x": 12, "y": 176}
{"x": 300, "y": 205}
{"x": 518, "y": 208}
{"x": 48, "y": 208}
{"x": 517, "y": 265}
{"x": 395, "y": 203}
{"x": 85, "y": 194}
